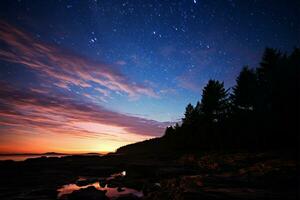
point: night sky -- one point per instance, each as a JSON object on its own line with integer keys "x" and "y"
{"x": 86, "y": 76}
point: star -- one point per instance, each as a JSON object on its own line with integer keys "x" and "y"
{"x": 93, "y": 40}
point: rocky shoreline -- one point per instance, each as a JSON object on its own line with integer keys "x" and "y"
{"x": 184, "y": 176}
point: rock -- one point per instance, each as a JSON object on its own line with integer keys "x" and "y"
{"x": 113, "y": 184}
{"x": 102, "y": 182}
{"x": 179, "y": 188}
{"x": 157, "y": 184}
{"x": 120, "y": 189}
{"x": 136, "y": 184}
{"x": 89, "y": 193}
{"x": 169, "y": 172}
{"x": 151, "y": 187}
{"x": 191, "y": 183}
{"x": 128, "y": 197}
{"x": 86, "y": 182}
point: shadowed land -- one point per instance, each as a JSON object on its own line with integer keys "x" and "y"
{"x": 170, "y": 176}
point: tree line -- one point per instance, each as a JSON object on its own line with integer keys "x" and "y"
{"x": 260, "y": 112}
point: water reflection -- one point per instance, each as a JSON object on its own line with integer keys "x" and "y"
{"x": 111, "y": 192}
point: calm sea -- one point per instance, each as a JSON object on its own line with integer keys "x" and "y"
{"x": 24, "y": 157}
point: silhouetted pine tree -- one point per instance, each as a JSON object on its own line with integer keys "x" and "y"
{"x": 189, "y": 115}
{"x": 267, "y": 75}
{"x": 243, "y": 103}
{"x": 214, "y": 102}
{"x": 169, "y": 131}
{"x": 287, "y": 101}
{"x": 244, "y": 95}
{"x": 214, "y": 109}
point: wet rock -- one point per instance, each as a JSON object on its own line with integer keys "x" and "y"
{"x": 184, "y": 187}
{"x": 128, "y": 197}
{"x": 136, "y": 184}
{"x": 90, "y": 193}
{"x": 86, "y": 182}
{"x": 169, "y": 172}
{"x": 190, "y": 183}
{"x": 120, "y": 189}
{"x": 151, "y": 187}
{"x": 113, "y": 184}
{"x": 102, "y": 182}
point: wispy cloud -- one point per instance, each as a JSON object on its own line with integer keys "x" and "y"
{"x": 63, "y": 67}
{"x": 34, "y": 111}
{"x": 31, "y": 107}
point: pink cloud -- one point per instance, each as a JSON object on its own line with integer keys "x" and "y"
{"x": 63, "y": 67}
{"x": 57, "y": 113}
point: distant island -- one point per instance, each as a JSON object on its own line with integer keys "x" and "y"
{"x": 33, "y": 154}
{"x": 49, "y": 153}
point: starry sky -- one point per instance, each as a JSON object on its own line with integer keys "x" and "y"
{"x": 93, "y": 75}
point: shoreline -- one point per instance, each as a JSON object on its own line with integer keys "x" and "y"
{"x": 234, "y": 175}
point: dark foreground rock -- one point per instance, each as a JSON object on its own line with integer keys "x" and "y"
{"x": 86, "y": 181}
{"x": 89, "y": 193}
{"x": 128, "y": 197}
{"x": 160, "y": 177}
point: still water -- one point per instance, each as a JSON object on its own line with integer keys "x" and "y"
{"x": 24, "y": 157}
{"x": 111, "y": 192}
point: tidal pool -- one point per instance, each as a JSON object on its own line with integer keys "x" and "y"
{"x": 111, "y": 192}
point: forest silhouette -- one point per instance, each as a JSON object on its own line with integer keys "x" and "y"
{"x": 259, "y": 113}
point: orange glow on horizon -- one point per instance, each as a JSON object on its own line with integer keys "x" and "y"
{"x": 24, "y": 142}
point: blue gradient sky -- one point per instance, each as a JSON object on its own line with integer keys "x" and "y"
{"x": 152, "y": 57}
